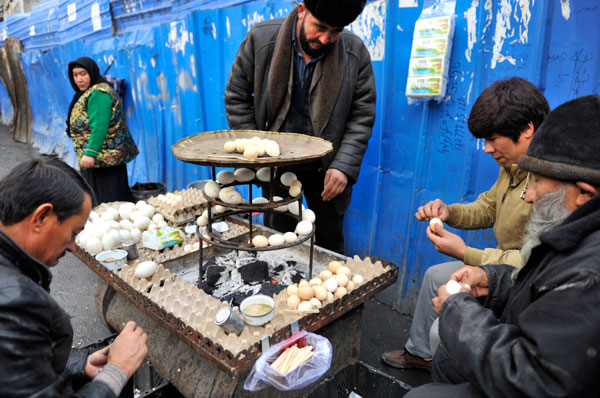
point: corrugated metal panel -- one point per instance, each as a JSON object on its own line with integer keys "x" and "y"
{"x": 176, "y": 74}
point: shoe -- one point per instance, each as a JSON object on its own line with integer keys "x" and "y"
{"x": 402, "y": 359}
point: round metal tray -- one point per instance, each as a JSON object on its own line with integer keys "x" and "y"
{"x": 207, "y": 148}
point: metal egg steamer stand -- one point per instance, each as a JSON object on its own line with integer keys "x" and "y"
{"x": 184, "y": 344}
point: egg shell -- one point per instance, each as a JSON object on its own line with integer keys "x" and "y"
{"x": 113, "y": 225}
{"x": 261, "y": 149}
{"x": 340, "y": 292}
{"x": 145, "y": 269}
{"x": 276, "y": 240}
{"x": 330, "y": 298}
{"x": 108, "y": 216}
{"x": 142, "y": 223}
{"x": 260, "y": 201}
{"x": 136, "y": 234}
{"x": 315, "y": 281}
{"x": 316, "y": 303}
{"x": 230, "y": 196}
{"x": 260, "y": 241}
{"x": 149, "y": 211}
{"x": 229, "y": 146}
{"x": 350, "y": 286}
{"x": 187, "y": 248}
{"x": 305, "y": 306}
{"x": 342, "y": 280}
{"x": 292, "y": 290}
{"x": 82, "y": 239}
{"x": 93, "y": 216}
{"x": 320, "y": 292}
{"x": 303, "y": 282}
{"x": 211, "y": 189}
{"x": 94, "y": 245}
{"x": 331, "y": 284}
{"x": 452, "y": 287}
{"x": 295, "y": 189}
{"x": 304, "y": 228}
{"x": 225, "y": 177}
{"x": 161, "y": 224}
{"x": 272, "y": 149}
{"x": 293, "y": 302}
{"x": 108, "y": 242}
{"x": 334, "y": 265}
{"x": 125, "y": 235}
{"x": 125, "y": 211}
{"x": 294, "y": 208}
{"x": 308, "y": 215}
{"x": 116, "y": 235}
{"x": 344, "y": 270}
{"x": 325, "y": 274}
{"x": 264, "y": 174}
{"x": 250, "y": 152}
{"x": 306, "y": 292}
{"x": 157, "y": 218}
{"x": 240, "y": 145}
{"x": 244, "y": 175}
{"x": 436, "y": 223}
{"x": 290, "y": 237}
{"x": 140, "y": 204}
{"x": 202, "y": 221}
{"x": 358, "y": 280}
{"x": 287, "y": 178}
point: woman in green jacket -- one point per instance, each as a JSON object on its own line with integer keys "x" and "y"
{"x": 96, "y": 123}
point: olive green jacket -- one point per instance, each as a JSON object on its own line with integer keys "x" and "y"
{"x": 502, "y": 208}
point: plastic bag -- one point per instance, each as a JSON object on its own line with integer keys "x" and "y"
{"x": 263, "y": 375}
{"x": 161, "y": 238}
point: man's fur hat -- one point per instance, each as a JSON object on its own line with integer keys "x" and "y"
{"x": 335, "y": 13}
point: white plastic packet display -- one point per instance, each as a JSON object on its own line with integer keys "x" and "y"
{"x": 161, "y": 238}
{"x": 263, "y": 375}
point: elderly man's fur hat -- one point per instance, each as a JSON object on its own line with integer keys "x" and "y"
{"x": 566, "y": 146}
{"x": 335, "y": 13}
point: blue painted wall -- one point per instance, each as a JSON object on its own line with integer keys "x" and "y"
{"x": 176, "y": 56}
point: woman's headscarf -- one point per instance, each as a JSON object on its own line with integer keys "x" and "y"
{"x": 95, "y": 77}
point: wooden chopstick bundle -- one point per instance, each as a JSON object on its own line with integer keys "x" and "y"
{"x": 291, "y": 358}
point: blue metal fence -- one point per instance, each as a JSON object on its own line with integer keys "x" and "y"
{"x": 176, "y": 56}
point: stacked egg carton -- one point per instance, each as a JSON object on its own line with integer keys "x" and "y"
{"x": 181, "y": 211}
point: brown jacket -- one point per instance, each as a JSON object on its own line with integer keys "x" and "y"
{"x": 502, "y": 208}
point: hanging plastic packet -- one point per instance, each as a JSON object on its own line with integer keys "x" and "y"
{"x": 431, "y": 49}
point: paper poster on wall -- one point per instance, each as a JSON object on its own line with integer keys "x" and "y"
{"x": 72, "y": 11}
{"x": 32, "y": 30}
{"x": 96, "y": 21}
{"x": 407, "y": 3}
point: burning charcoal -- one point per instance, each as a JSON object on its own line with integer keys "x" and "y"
{"x": 257, "y": 271}
{"x": 208, "y": 263}
{"x": 237, "y": 297}
{"x": 208, "y": 289}
{"x": 213, "y": 273}
{"x": 270, "y": 289}
{"x": 297, "y": 276}
{"x": 291, "y": 263}
{"x": 279, "y": 268}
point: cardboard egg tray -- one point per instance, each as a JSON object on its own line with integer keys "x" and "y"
{"x": 192, "y": 206}
{"x": 197, "y": 309}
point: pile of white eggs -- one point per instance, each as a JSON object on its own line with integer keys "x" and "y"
{"x": 253, "y": 148}
{"x": 324, "y": 288}
{"x": 114, "y": 227}
{"x": 170, "y": 199}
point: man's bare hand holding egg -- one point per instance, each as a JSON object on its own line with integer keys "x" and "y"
{"x": 446, "y": 242}
{"x": 447, "y": 290}
{"x": 475, "y": 277}
{"x": 434, "y": 209}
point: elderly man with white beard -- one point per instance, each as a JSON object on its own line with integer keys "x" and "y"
{"x": 538, "y": 332}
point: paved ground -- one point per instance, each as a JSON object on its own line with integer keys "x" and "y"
{"x": 74, "y": 284}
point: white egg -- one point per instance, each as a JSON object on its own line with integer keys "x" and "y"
{"x": 108, "y": 216}
{"x": 126, "y": 224}
{"x": 148, "y": 211}
{"x": 264, "y": 174}
{"x": 281, "y": 208}
{"x": 136, "y": 214}
{"x": 151, "y": 226}
{"x": 316, "y": 303}
{"x": 287, "y": 178}
{"x": 260, "y": 241}
{"x": 330, "y": 298}
{"x": 116, "y": 235}
{"x": 99, "y": 230}
{"x": 162, "y": 224}
{"x": 82, "y": 239}
{"x": 225, "y": 177}
{"x": 250, "y": 152}
{"x": 436, "y": 223}
{"x": 295, "y": 188}
{"x": 211, "y": 189}
{"x": 331, "y": 284}
{"x": 220, "y": 209}
{"x": 108, "y": 242}
{"x": 113, "y": 224}
{"x": 358, "y": 280}
{"x": 260, "y": 148}
{"x": 187, "y": 248}
{"x": 230, "y": 196}
{"x": 452, "y": 287}
{"x": 157, "y": 218}
{"x": 202, "y": 221}
{"x": 145, "y": 269}
{"x": 243, "y": 175}
{"x": 125, "y": 212}
{"x": 94, "y": 246}
{"x": 315, "y": 281}
{"x": 276, "y": 240}
{"x": 125, "y": 235}
{"x": 136, "y": 234}
{"x": 308, "y": 215}
{"x": 272, "y": 149}
{"x": 305, "y": 306}
{"x": 140, "y": 204}
{"x": 229, "y": 146}
{"x": 240, "y": 144}
{"x": 290, "y": 237}
{"x": 93, "y": 216}
{"x": 142, "y": 223}
{"x": 260, "y": 201}
{"x": 304, "y": 228}
{"x": 294, "y": 208}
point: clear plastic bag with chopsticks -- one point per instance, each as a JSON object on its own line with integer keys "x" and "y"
{"x": 263, "y": 374}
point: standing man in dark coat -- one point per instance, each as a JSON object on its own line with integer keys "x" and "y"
{"x": 44, "y": 204}
{"x": 537, "y": 334}
{"x": 306, "y": 74}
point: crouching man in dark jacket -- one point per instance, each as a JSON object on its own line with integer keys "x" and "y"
{"x": 539, "y": 335}
{"x": 44, "y": 204}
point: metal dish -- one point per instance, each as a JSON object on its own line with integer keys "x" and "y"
{"x": 118, "y": 257}
{"x": 255, "y": 320}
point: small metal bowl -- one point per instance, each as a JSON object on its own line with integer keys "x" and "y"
{"x": 118, "y": 257}
{"x": 257, "y": 320}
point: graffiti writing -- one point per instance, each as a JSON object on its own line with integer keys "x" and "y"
{"x": 574, "y": 69}
{"x": 453, "y": 121}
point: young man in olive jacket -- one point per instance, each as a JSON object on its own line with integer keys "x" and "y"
{"x": 537, "y": 333}
{"x": 305, "y": 74}
{"x": 44, "y": 204}
{"x": 506, "y": 115}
